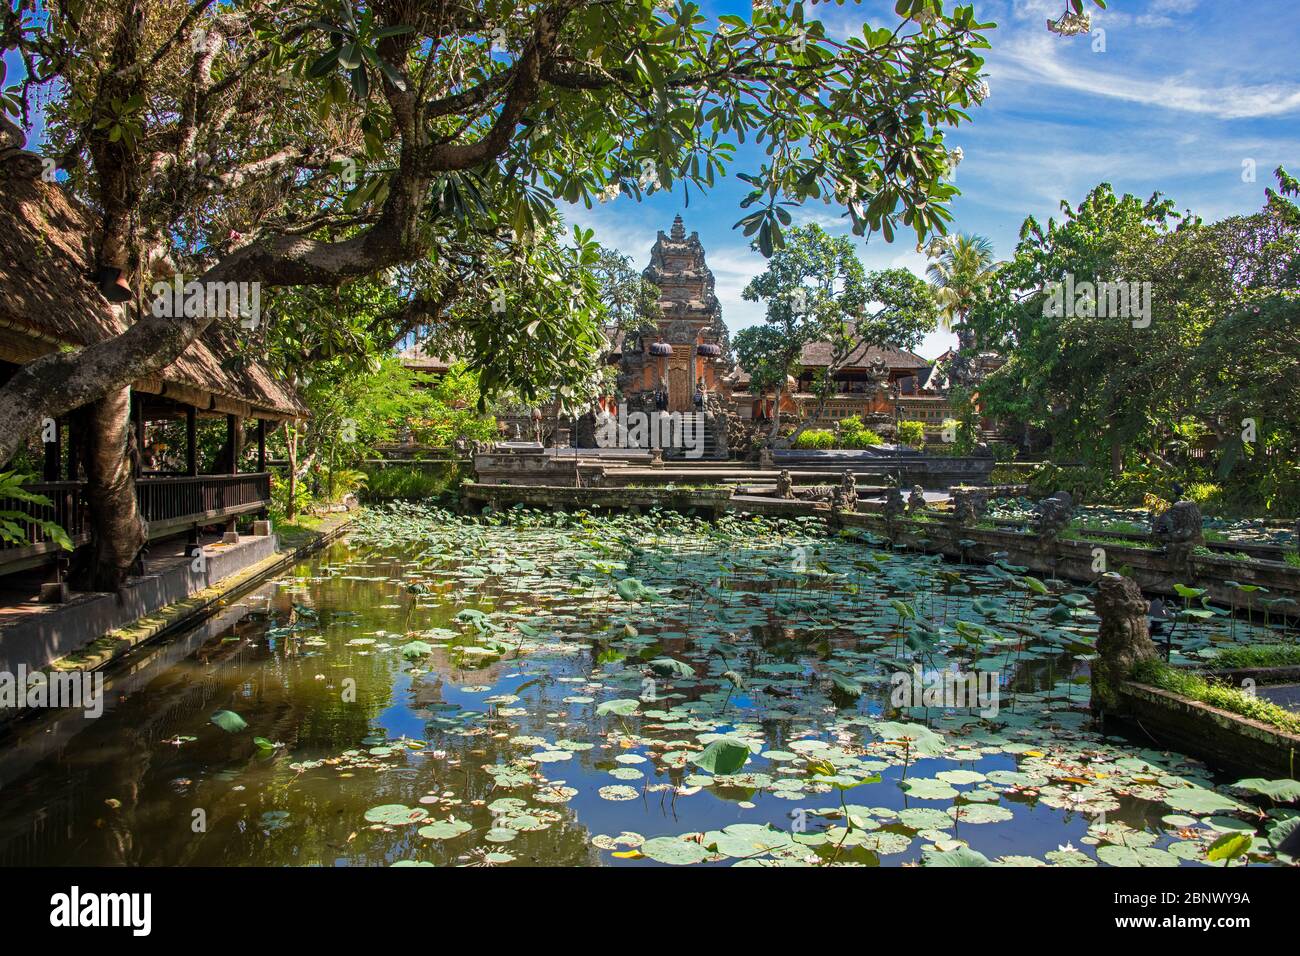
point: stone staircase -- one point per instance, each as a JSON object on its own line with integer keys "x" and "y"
{"x": 715, "y": 443}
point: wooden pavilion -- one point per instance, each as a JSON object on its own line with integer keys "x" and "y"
{"x": 48, "y": 301}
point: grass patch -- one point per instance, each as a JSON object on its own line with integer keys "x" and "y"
{"x": 1258, "y": 655}
{"x": 1166, "y": 677}
{"x": 1122, "y": 527}
{"x": 1142, "y": 544}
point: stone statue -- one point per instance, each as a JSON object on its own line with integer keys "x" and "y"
{"x": 1052, "y": 515}
{"x": 961, "y": 369}
{"x": 893, "y": 508}
{"x": 1180, "y": 525}
{"x": 846, "y": 495}
{"x": 1122, "y": 639}
{"x": 877, "y": 374}
{"x": 784, "y": 484}
{"x": 916, "y": 500}
{"x": 969, "y": 505}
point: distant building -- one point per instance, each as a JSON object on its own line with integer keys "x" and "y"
{"x": 873, "y": 382}
{"x": 430, "y": 368}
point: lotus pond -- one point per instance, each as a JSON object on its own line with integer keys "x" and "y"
{"x": 561, "y": 689}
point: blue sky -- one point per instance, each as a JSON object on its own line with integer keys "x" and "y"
{"x": 1184, "y": 93}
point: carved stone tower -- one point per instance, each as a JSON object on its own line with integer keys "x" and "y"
{"x": 681, "y": 349}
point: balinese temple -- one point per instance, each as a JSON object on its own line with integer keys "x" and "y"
{"x": 877, "y": 385}
{"x": 51, "y": 302}
{"x": 681, "y": 350}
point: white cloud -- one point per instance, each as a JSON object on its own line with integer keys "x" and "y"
{"x": 1034, "y": 57}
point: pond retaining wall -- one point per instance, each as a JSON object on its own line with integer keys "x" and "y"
{"x": 1153, "y": 569}
{"x": 1220, "y": 737}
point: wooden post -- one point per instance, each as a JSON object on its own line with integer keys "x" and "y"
{"x": 72, "y": 451}
{"x": 191, "y": 440}
{"x": 54, "y": 452}
{"x": 232, "y": 438}
{"x": 261, "y": 444}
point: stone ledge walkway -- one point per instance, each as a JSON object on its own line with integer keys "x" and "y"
{"x": 199, "y": 604}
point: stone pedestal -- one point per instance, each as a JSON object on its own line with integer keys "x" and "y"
{"x": 54, "y": 592}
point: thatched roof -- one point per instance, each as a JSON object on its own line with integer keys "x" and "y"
{"x": 47, "y": 302}
{"x": 417, "y": 358}
{"x": 819, "y": 354}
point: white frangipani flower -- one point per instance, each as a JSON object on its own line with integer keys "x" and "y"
{"x": 1071, "y": 24}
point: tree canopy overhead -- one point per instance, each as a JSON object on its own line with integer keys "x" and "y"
{"x": 316, "y": 143}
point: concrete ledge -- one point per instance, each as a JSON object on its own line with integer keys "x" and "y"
{"x": 42, "y": 638}
{"x": 208, "y": 606}
{"x": 554, "y": 496}
{"x": 1219, "y": 737}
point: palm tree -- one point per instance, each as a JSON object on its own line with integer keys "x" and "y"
{"x": 962, "y": 265}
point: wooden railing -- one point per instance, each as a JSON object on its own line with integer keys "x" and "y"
{"x": 66, "y": 509}
{"x": 167, "y": 504}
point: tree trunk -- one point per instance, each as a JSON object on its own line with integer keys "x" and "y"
{"x": 117, "y": 530}
{"x": 776, "y": 417}
{"x": 291, "y": 443}
{"x": 1116, "y": 458}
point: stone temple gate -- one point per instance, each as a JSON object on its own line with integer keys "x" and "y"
{"x": 682, "y": 347}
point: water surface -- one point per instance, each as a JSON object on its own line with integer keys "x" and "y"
{"x": 448, "y": 691}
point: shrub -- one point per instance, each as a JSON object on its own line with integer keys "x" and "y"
{"x": 819, "y": 439}
{"x": 279, "y": 509}
{"x": 410, "y": 481}
{"x": 1206, "y": 494}
{"x": 851, "y": 433}
{"x": 344, "y": 481}
{"x": 863, "y": 438}
{"x": 911, "y": 433}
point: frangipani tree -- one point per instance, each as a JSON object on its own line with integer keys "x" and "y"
{"x": 317, "y": 142}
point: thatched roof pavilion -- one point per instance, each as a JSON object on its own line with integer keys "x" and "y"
{"x": 49, "y": 301}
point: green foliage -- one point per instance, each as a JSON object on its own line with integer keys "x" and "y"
{"x": 280, "y": 507}
{"x": 1209, "y": 371}
{"x": 1157, "y": 673}
{"x": 449, "y": 412}
{"x": 911, "y": 433}
{"x": 816, "y": 290}
{"x": 1258, "y": 655}
{"x": 853, "y": 434}
{"x": 1206, "y": 494}
{"x": 13, "y": 523}
{"x": 819, "y": 439}
{"x": 414, "y": 482}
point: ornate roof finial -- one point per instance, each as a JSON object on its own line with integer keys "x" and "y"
{"x": 679, "y": 229}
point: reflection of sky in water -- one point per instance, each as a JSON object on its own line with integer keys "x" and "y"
{"x": 288, "y": 687}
